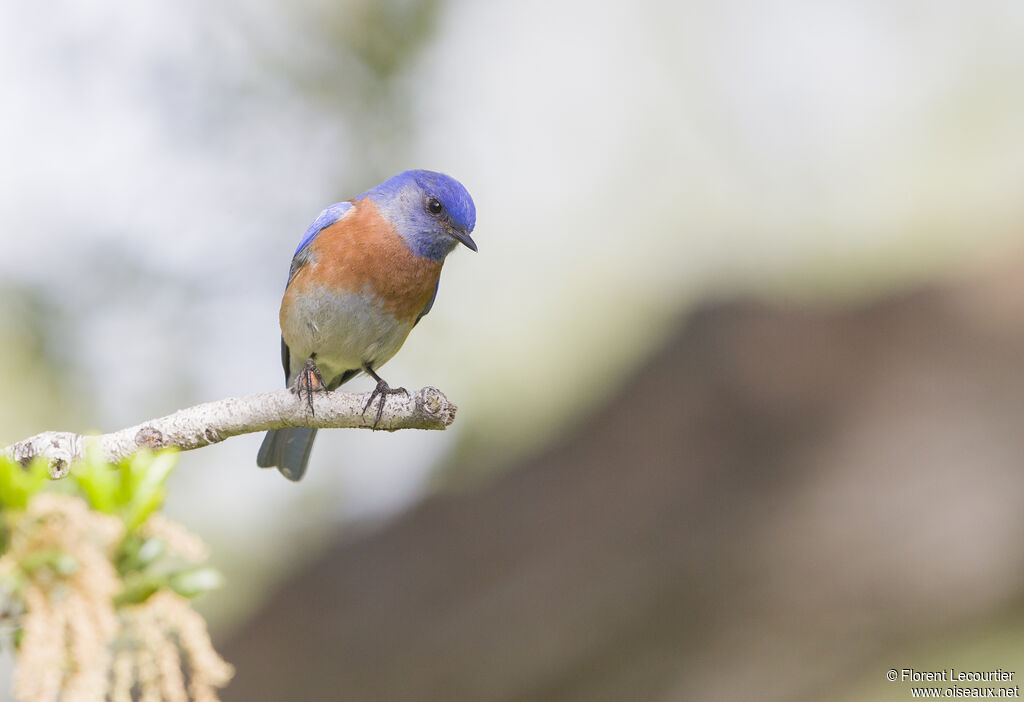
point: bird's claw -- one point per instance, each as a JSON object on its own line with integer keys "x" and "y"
{"x": 382, "y": 390}
{"x": 309, "y": 380}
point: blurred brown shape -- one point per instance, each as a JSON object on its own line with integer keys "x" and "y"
{"x": 775, "y": 501}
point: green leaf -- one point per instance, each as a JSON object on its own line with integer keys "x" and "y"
{"x": 98, "y": 479}
{"x": 137, "y": 591}
{"x": 19, "y": 484}
{"x": 195, "y": 581}
{"x": 150, "y": 550}
{"x": 149, "y": 474}
{"x": 133, "y": 488}
{"x": 137, "y": 553}
{"x": 56, "y": 560}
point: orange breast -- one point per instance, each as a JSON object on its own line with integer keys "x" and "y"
{"x": 362, "y": 253}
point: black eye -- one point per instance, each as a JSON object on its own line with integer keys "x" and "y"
{"x": 434, "y": 206}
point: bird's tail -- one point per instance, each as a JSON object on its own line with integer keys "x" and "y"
{"x": 288, "y": 449}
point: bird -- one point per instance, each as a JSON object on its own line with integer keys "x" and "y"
{"x": 364, "y": 274}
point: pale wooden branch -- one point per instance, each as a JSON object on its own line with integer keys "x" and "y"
{"x": 213, "y": 422}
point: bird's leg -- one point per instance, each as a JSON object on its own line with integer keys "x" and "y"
{"x": 383, "y": 390}
{"x": 308, "y": 380}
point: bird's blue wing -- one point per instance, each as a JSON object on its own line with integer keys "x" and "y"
{"x": 328, "y": 217}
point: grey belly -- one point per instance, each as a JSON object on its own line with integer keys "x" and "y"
{"x": 344, "y": 330}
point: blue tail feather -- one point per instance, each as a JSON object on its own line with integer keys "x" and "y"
{"x": 287, "y": 449}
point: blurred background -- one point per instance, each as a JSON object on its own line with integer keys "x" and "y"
{"x": 737, "y": 363}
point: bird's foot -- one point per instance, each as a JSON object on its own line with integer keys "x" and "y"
{"x": 382, "y": 390}
{"x": 308, "y": 381}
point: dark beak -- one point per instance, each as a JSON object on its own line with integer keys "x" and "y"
{"x": 464, "y": 238}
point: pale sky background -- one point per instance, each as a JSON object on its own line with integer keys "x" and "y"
{"x": 627, "y": 160}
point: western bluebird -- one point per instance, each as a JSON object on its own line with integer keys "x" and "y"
{"x": 365, "y": 273}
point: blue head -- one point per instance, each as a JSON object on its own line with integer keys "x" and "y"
{"x": 431, "y": 211}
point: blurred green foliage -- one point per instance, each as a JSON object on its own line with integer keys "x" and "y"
{"x": 18, "y": 484}
{"x": 387, "y": 35}
{"x": 994, "y": 643}
{"x": 133, "y": 490}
